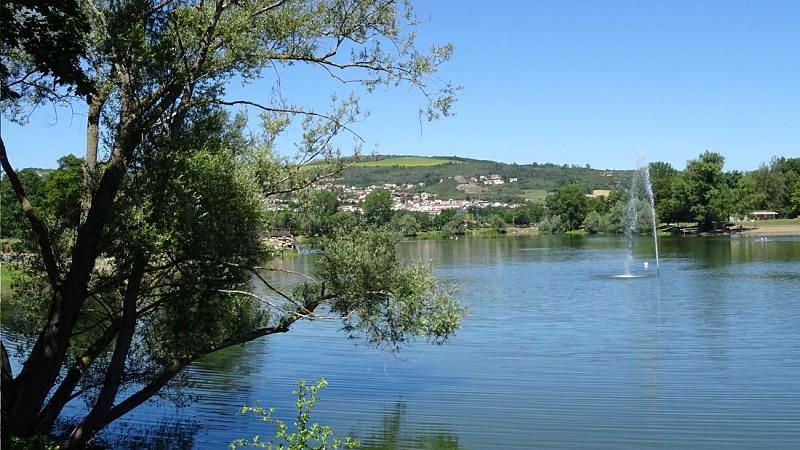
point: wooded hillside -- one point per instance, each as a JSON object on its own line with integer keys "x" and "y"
{"x": 450, "y": 176}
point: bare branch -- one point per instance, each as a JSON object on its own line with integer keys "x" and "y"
{"x": 98, "y": 14}
{"x": 259, "y": 298}
{"x": 268, "y": 8}
{"x": 298, "y": 112}
{"x": 179, "y": 363}
{"x": 158, "y": 7}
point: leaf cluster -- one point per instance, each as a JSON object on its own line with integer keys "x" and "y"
{"x": 385, "y": 300}
{"x": 307, "y": 435}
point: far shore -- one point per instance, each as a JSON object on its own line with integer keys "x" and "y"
{"x": 751, "y": 229}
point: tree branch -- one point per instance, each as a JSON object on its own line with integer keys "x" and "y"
{"x": 157, "y": 7}
{"x": 267, "y": 8}
{"x": 38, "y": 226}
{"x": 64, "y": 392}
{"x": 297, "y": 112}
{"x": 5, "y": 366}
{"x": 7, "y": 388}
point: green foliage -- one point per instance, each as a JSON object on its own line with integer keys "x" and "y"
{"x": 378, "y": 296}
{"x": 665, "y": 180}
{"x": 529, "y": 213}
{"x": 62, "y": 191}
{"x": 552, "y": 225}
{"x": 796, "y": 199}
{"x": 307, "y": 435}
{"x": 496, "y": 222}
{"x": 44, "y": 36}
{"x": 444, "y": 217}
{"x": 35, "y": 442}
{"x": 571, "y": 204}
{"x": 405, "y": 224}
{"x": 593, "y": 222}
{"x": 8, "y": 275}
{"x": 13, "y": 224}
{"x": 748, "y": 197}
{"x": 710, "y": 197}
{"x": 316, "y": 212}
{"x": 452, "y": 228}
{"x": 644, "y": 217}
{"x": 377, "y": 207}
{"x": 614, "y": 220}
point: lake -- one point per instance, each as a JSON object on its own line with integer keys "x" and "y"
{"x": 556, "y": 353}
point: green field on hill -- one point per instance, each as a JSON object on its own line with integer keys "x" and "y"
{"x": 534, "y": 195}
{"x": 406, "y": 161}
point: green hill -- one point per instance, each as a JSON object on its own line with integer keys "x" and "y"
{"x": 454, "y": 177}
{"x": 403, "y": 161}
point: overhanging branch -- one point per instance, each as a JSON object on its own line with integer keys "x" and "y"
{"x": 296, "y": 112}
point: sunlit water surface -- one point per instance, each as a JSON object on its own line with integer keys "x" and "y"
{"x": 559, "y": 351}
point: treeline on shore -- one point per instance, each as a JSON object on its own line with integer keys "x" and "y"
{"x": 702, "y": 194}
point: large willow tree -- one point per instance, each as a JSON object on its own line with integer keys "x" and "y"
{"x": 151, "y": 266}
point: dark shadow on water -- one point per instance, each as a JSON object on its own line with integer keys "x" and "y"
{"x": 171, "y": 432}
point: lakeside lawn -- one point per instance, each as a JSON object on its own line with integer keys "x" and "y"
{"x": 769, "y": 223}
{"x": 778, "y": 227}
{"x": 7, "y": 276}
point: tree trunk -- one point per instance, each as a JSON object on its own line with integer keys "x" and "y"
{"x": 92, "y": 145}
{"x": 31, "y": 386}
{"x": 95, "y": 420}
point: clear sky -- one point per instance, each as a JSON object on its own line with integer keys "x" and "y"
{"x": 569, "y": 82}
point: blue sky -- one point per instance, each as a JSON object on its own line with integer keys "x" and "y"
{"x": 568, "y": 82}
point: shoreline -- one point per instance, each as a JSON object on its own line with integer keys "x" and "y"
{"x": 763, "y": 231}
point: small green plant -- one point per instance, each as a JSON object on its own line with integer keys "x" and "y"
{"x": 36, "y": 442}
{"x": 305, "y": 437}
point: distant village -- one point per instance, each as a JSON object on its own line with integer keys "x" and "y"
{"x": 411, "y": 197}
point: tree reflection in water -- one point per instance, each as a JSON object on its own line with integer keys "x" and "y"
{"x": 171, "y": 433}
{"x": 395, "y": 434}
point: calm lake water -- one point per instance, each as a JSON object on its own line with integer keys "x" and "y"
{"x": 556, "y": 353}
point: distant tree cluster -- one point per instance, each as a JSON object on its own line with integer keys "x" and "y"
{"x": 703, "y": 193}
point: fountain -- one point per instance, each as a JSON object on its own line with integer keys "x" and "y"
{"x": 641, "y": 188}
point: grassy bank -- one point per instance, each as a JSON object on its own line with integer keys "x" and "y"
{"x": 7, "y": 276}
{"x": 770, "y": 223}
